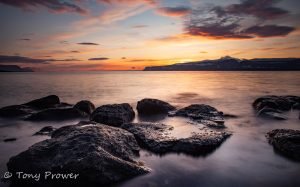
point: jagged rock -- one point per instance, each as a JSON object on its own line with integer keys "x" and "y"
{"x": 114, "y": 115}
{"x": 156, "y": 138}
{"x": 153, "y": 106}
{"x": 204, "y": 114}
{"x": 45, "y": 131}
{"x": 45, "y": 102}
{"x": 286, "y": 142}
{"x": 57, "y": 114}
{"x": 100, "y": 154}
{"x": 85, "y": 106}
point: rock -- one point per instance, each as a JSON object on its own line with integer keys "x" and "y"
{"x": 85, "y": 106}
{"x": 272, "y": 106}
{"x": 15, "y": 111}
{"x": 114, "y": 115}
{"x": 283, "y": 103}
{"x": 296, "y": 106}
{"x": 156, "y": 138}
{"x": 45, "y": 102}
{"x": 10, "y": 139}
{"x": 286, "y": 142}
{"x": 57, "y": 114}
{"x": 153, "y": 106}
{"x": 204, "y": 114}
{"x": 230, "y": 116}
{"x": 100, "y": 154}
{"x": 271, "y": 113}
{"x": 45, "y": 131}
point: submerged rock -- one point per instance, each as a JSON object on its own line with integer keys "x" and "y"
{"x": 114, "y": 115}
{"x": 157, "y": 138}
{"x": 153, "y": 106}
{"x": 45, "y": 131}
{"x": 9, "y": 139}
{"x": 204, "y": 114}
{"x": 100, "y": 154}
{"x": 57, "y": 114}
{"x": 286, "y": 142}
{"x": 85, "y": 106}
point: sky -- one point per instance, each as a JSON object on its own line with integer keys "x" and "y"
{"x": 92, "y": 35}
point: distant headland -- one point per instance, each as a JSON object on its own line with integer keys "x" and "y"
{"x": 14, "y": 68}
{"x": 228, "y": 63}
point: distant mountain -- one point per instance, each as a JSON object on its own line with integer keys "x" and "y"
{"x": 234, "y": 64}
{"x": 14, "y": 68}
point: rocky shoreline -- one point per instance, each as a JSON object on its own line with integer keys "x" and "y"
{"x": 104, "y": 148}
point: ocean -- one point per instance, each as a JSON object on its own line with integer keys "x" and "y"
{"x": 245, "y": 159}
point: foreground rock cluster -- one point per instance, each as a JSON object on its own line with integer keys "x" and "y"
{"x": 105, "y": 149}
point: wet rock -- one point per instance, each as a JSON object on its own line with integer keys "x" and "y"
{"x": 153, "y": 106}
{"x": 283, "y": 103}
{"x": 57, "y": 114}
{"x": 45, "y": 131}
{"x": 204, "y": 114}
{"x": 100, "y": 154}
{"x": 10, "y": 139}
{"x": 272, "y": 106}
{"x": 23, "y": 110}
{"x": 230, "y": 116}
{"x": 157, "y": 138}
{"x": 15, "y": 111}
{"x": 296, "y": 106}
{"x": 85, "y": 106}
{"x": 286, "y": 142}
{"x": 271, "y": 113}
{"x": 115, "y": 114}
{"x": 45, "y": 102}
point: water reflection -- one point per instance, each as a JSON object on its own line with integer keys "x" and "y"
{"x": 245, "y": 159}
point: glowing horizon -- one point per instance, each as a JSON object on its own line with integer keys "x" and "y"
{"x": 131, "y": 34}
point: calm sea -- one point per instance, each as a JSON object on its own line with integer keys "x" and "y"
{"x": 245, "y": 159}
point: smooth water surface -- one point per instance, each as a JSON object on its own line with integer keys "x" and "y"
{"x": 245, "y": 159}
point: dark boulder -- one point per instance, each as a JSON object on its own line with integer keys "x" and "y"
{"x": 115, "y": 114}
{"x": 57, "y": 114}
{"x": 153, "y": 106}
{"x": 85, "y": 106}
{"x": 45, "y": 102}
{"x": 15, "y": 111}
{"x": 100, "y": 154}
{"x": 204, "y": 114}
{"x": 272, "y": 106}
{"x": 45, "y": 131}
{"x": 157, "y": 138}
{"x": 286, "y": 142}
{"x": 283, "y": 103}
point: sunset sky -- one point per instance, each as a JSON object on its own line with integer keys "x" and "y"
{"x": 81, "y": 35}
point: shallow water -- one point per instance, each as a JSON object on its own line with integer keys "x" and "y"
{"x": 245, "y": 159}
